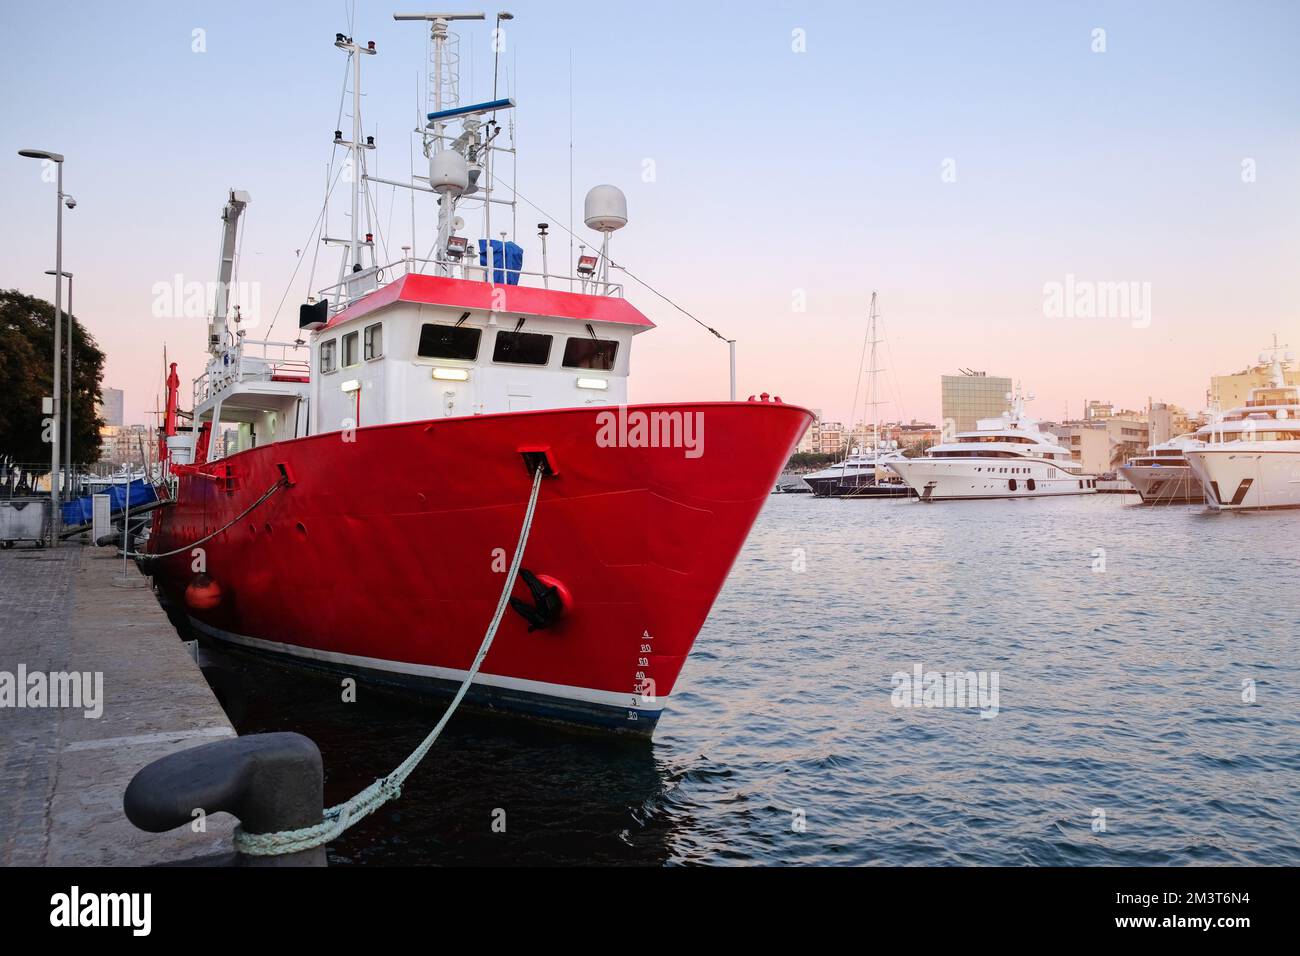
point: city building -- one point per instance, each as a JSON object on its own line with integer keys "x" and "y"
{"x": 1094, "y": 410}
{"x": 1232, "y": 391}
{"x": 831, "y": 438}
{"x": 1129, "y": 437}
{"x": 1088, "y": 442}
{"x": 912, "y": 434}
{"x": 1127, "y": 431}
{"x": 110, "y": 408}
{"x": 126, "y": 444}
{"x": 970, "y": 396}
{"x": 1167, "y": 421}
{"x": 811, "y": 441}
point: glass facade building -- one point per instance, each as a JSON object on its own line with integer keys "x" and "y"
{"x": 968, "y": 398}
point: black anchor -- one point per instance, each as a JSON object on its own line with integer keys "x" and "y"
{"x": 546, "y": 606}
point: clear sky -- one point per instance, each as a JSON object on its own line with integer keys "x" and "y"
{"x": 954, "y": 156}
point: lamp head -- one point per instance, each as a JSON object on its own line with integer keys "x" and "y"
{"x": 41, "y": 154}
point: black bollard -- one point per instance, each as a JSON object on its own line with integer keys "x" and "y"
{"x": 271, "y": 782}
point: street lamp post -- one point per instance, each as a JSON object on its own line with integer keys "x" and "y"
{"x": 731, "y": 345}
{"x": 67, "y": 417}
{"x": 56, "y": 495}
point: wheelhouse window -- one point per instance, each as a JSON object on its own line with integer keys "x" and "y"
{"x": 374, "y": 341}
{"x": 449, "y": 342}
{"x": 590, "y": 353}
{"x": 350, "y": 348}
{"x": 522, "y": 348}
{"x": 328, "y": 356}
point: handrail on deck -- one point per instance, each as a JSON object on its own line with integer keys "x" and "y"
{"x": 587, "y": 285}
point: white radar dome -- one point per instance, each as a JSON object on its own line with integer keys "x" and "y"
{"x": 605, "y": 209}
{"x": 448, "y": 172}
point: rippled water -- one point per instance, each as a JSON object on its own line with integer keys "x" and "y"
{"x": 1119, "y": 691}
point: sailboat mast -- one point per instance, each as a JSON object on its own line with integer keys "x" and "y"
{"x": 874, "y": 387}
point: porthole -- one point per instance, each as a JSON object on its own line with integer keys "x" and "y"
{"x": 1011, "y": 484}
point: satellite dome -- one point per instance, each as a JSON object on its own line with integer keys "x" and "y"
{"x": 448, "y": 172}
{"x": 605, "y": 209}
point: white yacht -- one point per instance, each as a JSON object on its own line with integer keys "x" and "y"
{"x": 1251, "y": 455}
{"x": 1162, "y": 475}
{"x": 858, "y": 468}
{"x": 1007, "y": 457}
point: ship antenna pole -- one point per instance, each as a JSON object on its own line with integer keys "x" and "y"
{"x": 446, "y": 64}
{"x": 354, "y": 50}
{"x": 354, "y": 253}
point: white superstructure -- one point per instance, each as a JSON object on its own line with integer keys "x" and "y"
{"x": 1251, "y": 455}
{"x": 465, "y": 330}
{"x": 1007, "y": 457}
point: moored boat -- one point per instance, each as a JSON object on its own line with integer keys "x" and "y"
{"x": 1249, "y": 458}
{"x": 381, "y": 467}
{"x": 1007, "y": 457}
{"x": 1162, "y": 475}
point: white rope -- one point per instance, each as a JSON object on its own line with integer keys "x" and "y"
{"x": 149, "y": 556}
{"x": 338, "y": 819}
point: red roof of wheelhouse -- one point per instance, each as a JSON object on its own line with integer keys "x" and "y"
{"x": 514, "y": 299}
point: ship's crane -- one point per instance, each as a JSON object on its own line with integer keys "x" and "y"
{"x": 217, "y": 325}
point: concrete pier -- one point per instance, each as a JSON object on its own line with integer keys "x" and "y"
{"x": 64, "y": 773}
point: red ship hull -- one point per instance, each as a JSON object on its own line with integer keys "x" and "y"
{"x": 384, "y": 558}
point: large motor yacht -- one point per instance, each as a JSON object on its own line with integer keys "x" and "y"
{"x": 1251, "y": 455}
{"x": 1006, "y": 457}
{"x": 1162, "y": 475}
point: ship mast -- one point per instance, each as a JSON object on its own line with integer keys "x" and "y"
{"x": 444, "y": 100}
{"x": 1274, "y": 355}
{"x": 351, "y": 262}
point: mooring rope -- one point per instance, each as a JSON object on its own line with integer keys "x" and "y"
{"x": 281, "y": 483}
{"x": 338, "y": 819}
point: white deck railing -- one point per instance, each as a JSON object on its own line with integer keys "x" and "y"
{"x": 371, "y": 279}
{"x": 251, "y": 360}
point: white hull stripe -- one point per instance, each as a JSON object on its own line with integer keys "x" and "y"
{"x": 586, "y": 695}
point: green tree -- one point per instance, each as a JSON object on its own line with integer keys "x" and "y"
{"x": 809, "y": 461}
{"x": 26, "y": 374}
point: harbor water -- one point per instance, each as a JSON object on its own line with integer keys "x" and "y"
{"x": 1145, "y": 663}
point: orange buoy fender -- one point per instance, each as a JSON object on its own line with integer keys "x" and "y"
{"x": 203, "y": 593}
